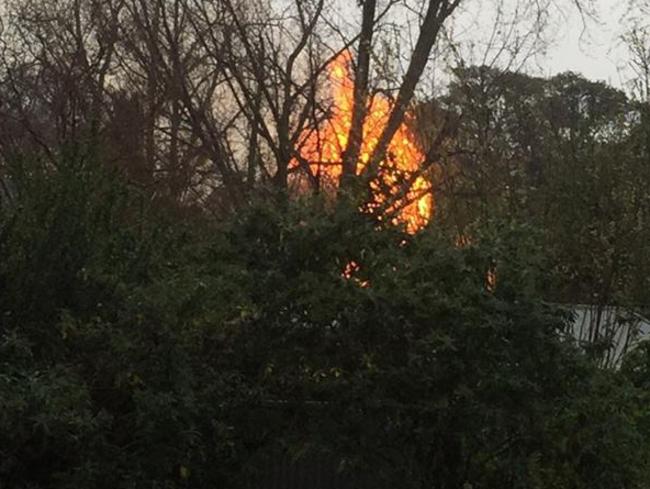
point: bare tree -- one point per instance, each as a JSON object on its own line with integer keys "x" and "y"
{"x": 55, "y": 66}
{"x": 219, "y": 96}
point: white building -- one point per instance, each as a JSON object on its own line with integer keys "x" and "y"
{"x": 612, "y": 330}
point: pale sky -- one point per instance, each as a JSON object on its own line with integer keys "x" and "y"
{"x": 596, "y": 51}
{"x": 590, "y": 46}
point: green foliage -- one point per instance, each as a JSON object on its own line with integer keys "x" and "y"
{"x": 636, "y": 368}
{"x": 424, "y": 378}
{"x": 568, "y": 157}
{"x": 140, "y": 351}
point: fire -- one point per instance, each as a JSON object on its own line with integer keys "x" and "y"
{"x": 323, "y": 150}
{"x": 351, "y": 270}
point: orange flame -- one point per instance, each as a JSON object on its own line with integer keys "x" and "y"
{"x": 324, "y": 147}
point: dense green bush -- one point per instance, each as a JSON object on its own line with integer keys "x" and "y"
{"x": 142, "y": 350}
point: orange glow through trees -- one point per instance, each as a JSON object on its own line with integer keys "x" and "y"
{"x": 411, "y": 200}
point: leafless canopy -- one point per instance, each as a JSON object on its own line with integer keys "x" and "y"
{"x": 205, "y": 101}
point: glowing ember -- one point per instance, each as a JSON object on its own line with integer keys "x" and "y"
{"x": 323, "y": 149}
{"x": 491, "y": 279}
{"x": 463, "y": 241}
{"x": 350, "y": 272}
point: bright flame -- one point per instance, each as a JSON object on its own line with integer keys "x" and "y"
{"x": 323, "y": 149}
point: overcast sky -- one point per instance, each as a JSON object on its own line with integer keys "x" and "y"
{"x": 595, "y": 52}
{"x": 590, "y": 46}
